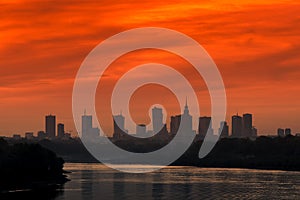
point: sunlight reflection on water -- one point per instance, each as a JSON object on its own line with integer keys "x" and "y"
{"x": 96, "y": 181}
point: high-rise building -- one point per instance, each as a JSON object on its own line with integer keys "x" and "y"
{"x": 224, "y": 132}
{"x": 247, "y": 125}
{"x": 182, "y": 123}
{"x": 204, "y": 126}
{"x": 119, "y": 126}
{"x": 174, "y": 124}
{"x": 163, "y": 133}
{"x": 280, "y": 132}
{"x": 237, "y": 126}
{"x": 254, "y": 132}
{"x": 157, "y": 119}
{"x": 288, "y": 131}
{"x": 93, "y": 133}
{"x": 50, "y": 126}
{"x": 186, "y": 120}
{"x": 141, "y": 129}
{"x": 60, "y": 130}
{"x": 87, "y": 125}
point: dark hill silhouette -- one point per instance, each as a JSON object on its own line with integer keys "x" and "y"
{"x": 29, "y": 166}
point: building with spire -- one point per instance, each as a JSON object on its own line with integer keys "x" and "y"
{"x": 182, "y": 123}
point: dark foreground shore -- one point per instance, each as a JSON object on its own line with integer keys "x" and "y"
{"x": 29, "y": 169}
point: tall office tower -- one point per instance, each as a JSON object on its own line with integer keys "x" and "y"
{"x": 237, "y": 126}
{"x": 60, "y": 130}
{"x": 141, "y": 129}
{"x": 280, "y": 132}
{"x": 157, "y": 119}
{"x": 182, "y": 123}
{"x": 204, "y": 126}
{"x": 119, "y": 126}
{"x": 50, "y": 126}
{"x": 247, "y": 125}
{"x": 93, "y": 133}
{"x": 87, "y": 125}
{"x": 186, "y": 120}
{"x": 254, "y": 132}
{"x": 224, "y": 132}
{"x": 288, "y": 131}
{"x": 163, "y": 133}
{"x": 174, "y": 124}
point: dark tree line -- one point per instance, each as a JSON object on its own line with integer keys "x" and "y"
{"x": 29, "y": 166}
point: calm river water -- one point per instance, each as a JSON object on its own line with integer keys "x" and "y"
{"x": 96, "y": 181}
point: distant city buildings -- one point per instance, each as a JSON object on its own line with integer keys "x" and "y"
{"x": 17, "y": 137}
{"x": 50, "y": 126}
{"x": 287, "y": 132}
{"x": 280, "y": 132}
{"x": 141, "y": 130}
{"x": 187, "y": 120}
{"x": 119, "y": 126}
{"x": 41, "y": 135}
{"x": 224, "y": 132}
{"x": 60, "y": 130}
{"x": 237, "y": 126}
{"x": 242, "y": 127}
{"x": 157, "y": 119}
{"x": 174, "y": 124}
{"x": 284, "y": 132}
{"x": 29, "y": 135}
{"x": 88, "y": 132}
{"x": 205, "y": 126}
{"x": 182, "y": 123}
{"x": 247, "y": 125}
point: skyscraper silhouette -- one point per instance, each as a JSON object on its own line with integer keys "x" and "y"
{"x": 182, "y": 123}
{"x": 237, "y": 126}
{"x": 280, "y": 132}
{"x": 187, "y": 120}
{"x": 88, "y": 132}
{"x": 288, "y": 131}
{"x": 87, "y": 124}
{"x": 119, "y": 126}
{"x": 204, "y": 126}
{"x": 141, "y": 129}
{"x": 224, "y": 132}
{"x": 60, "y": 130}
{"x": 50, "y": 126}
{"x": 247, "y": 125}
{"x": 157, "y": 119}
{"x": 174, "y": 124}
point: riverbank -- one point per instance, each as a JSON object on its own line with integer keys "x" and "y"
{"x": 26, "y": 167}
{"x": 263, "y": 153}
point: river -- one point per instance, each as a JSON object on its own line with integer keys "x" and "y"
{"x": 96, "y": 181}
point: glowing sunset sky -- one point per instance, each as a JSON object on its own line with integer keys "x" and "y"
{"x": 255, "y": 44}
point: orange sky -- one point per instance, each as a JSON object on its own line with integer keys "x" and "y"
{"x": 255, "y": 44}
